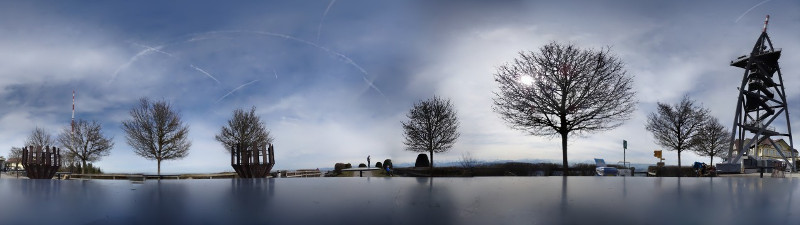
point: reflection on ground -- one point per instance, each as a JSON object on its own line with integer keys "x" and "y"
{"x": 402, "y": 200}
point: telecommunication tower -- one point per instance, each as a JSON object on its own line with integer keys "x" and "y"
{"x": 72, "y": 123}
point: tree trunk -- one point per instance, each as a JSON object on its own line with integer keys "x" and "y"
{"x": 679, "y": 163}
{"x": 83, "y": 169}
{"x": 431, "y": 170}
{"x": 159, "y": 167}
{"x": 712, "y": 161}
{"x": 564, "y": 153}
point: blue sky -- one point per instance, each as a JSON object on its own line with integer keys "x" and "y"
{"x": 333, "y": 79}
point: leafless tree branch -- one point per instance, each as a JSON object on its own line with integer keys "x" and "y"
{"x": 676, "y": 127}
{"x": 39, "y": 137}
{"x": 432, "y": 127}
{"x": 155, "y": 132}
{"x": 712, "y": 139}
{"x": 85, "y": 142}
{"x": 244, "y": 128}
{"x": 562, "y": 90}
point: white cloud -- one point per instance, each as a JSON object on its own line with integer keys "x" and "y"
{"x": 320, "y": 108}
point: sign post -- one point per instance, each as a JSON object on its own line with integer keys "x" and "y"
{"x": 657, "y": 154}
{"x": 624, "y": 148}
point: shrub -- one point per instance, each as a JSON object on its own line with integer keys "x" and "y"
{"x": 422, "y": 161}
{"x": 362, "y": 165}
{"x": 672, "y": 171}
{"x": 348, "y": 166}
{"x": 379, "y": 165}
{"x": 338, "y": 167}
{"x": 387, "y": 163}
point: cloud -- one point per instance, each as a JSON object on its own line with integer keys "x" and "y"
{"x": 342, "y": 97}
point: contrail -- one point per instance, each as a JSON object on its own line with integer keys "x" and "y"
{"x": 204, "y": 72}
{"x": 147, "y": 50}
{"x": 156, "y": 49}
{"x": 203, "y": 36}
{"x": 130, "y": 61}
{"x": 369, "y": 82}
{"x": 319, "y": 29}
{"x": 751, "y": 8}
{"x": 235, "y": 89}
{"x": 341, "y": 56}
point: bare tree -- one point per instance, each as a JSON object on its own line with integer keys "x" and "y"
{"x": 156, "y": 132}
{"x": 467, "y": 161}
{"x": 712, "y": 139}
{"x": 676, "y": 127}
{"x": 244, "y": 128}
{"x": 563, "y": 90}
{"x": 39, "y": 137}
{"x": 432, "y": 126}
{"x": 85, "y": 142}
{"x": 15, "y": 155}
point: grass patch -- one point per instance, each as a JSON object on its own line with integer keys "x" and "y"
{"x": 346, "y": 174}
{"x": 378, "y": 173}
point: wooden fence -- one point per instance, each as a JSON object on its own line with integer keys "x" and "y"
{"x": 302, "y": 173}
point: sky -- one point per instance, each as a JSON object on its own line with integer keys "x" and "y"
{"x": 332, "y": 80}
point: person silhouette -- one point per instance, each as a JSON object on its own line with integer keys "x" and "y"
{"x": 368, "y": 163}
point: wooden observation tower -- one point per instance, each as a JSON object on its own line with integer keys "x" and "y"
{"x": 761, "y": 103}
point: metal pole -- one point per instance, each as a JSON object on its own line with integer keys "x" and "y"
{"x": 624, "y": 148}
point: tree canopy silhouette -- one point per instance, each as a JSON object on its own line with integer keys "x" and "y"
{"x": 712, "y": 140}
{"x": 244, "y": 128}
{"x": 39, "y": 137}
{"x": 676, "y": 127}
{"x": 155, "y": 132}
{"x": 562, "y": 90}
{"x": 85, "y": 142}
{"x": 432, "y": 126}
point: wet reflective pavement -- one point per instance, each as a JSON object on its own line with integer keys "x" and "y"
{"x": 403, "y": 200}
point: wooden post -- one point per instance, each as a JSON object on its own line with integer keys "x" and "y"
{"x": 264, "y": 154}
{"x": 24, "y": 155}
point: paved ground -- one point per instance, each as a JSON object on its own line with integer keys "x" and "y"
{"x": 766, "y": 175}
{"x": 10, "y": 176}
{"x": 419, "y": 200}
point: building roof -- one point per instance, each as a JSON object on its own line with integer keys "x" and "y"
{"x": 765, "y": 143}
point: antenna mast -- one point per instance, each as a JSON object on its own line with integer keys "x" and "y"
{"x": 73, "y": 112}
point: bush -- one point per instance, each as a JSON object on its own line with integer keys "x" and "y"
{"x": 379, "y": 165}
{"x": 672, "y": 171}
{"x": 387, "y": 163}
{"x": 362, "y": 165}
{"x": 348, "y": 166}
{"x": 338, "y": 167}
{"x": 422, "y": 161}
{"x": 545, "y": 169}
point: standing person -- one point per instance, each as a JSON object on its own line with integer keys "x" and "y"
{"x": 696, "y": 167}
{"x": 703, "y": 170}
{"x": 368, "y": 163}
